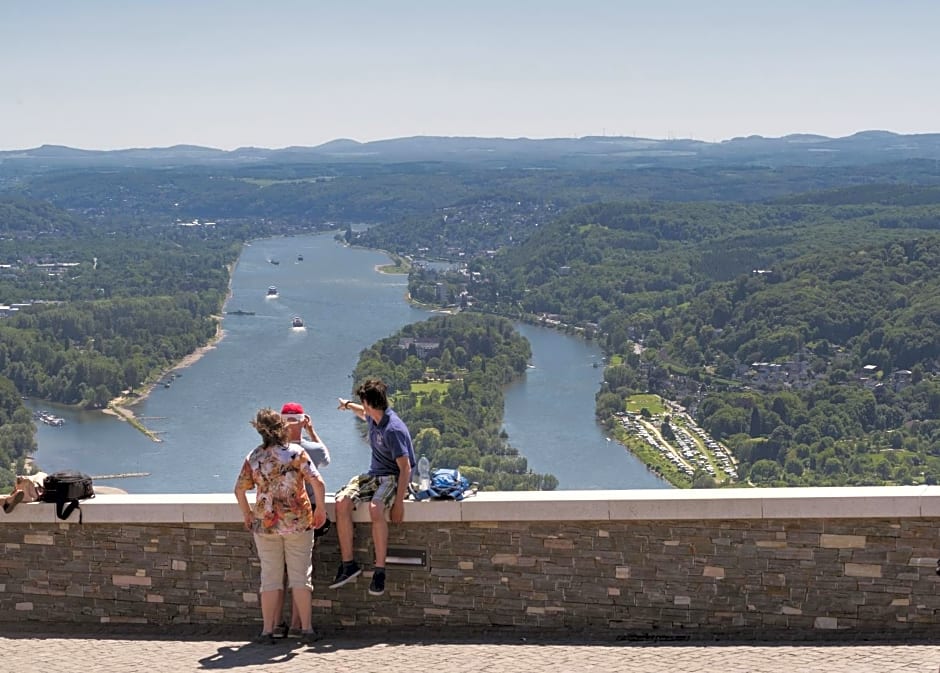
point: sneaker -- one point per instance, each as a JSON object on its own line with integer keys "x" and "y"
{"x": 13, "y": 500}
{"x": 322, "y": 530}
{"x": 294, "y": 632}
{"x": 377, "y": 586}
{"x": 264, "y": 639}
{"x": 309, "y": 637}
{"x": 280, "y": 631}
{"x": 346, "y": 573}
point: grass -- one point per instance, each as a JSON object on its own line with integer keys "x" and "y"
{"x": 399, "y": 265}
{"x": 653, "y": 403}
{"x": 421, "y": 388}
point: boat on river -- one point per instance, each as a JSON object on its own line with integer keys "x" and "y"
{"x": 300, "y": 258}
{"x": 272, "y": 291}
{"x": 297, "y": 321}
{"x": 239, "y": 312}
{"x": 49, "y": 418}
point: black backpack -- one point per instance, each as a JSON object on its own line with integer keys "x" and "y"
{"x": 65, "y": 489}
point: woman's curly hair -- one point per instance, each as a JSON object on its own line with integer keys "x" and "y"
{"x": 272, "y": 428}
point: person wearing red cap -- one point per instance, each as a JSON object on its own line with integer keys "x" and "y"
{"x": 297, "y": 423}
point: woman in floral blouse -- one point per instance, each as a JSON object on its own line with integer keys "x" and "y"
{"x": 282, "y": 519}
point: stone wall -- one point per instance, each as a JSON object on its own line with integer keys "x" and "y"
{"x": 633, "y": 564}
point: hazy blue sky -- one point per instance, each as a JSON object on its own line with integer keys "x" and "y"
{"x": 128, "y": 73}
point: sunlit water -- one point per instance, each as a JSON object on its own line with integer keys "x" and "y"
{"x": 262, "y": 360}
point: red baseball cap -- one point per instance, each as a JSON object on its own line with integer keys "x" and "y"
{"x": 293, "y": 409}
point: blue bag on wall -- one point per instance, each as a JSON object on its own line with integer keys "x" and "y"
{"x": 447, "y": 484}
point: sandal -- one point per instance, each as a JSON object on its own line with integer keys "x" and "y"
{"x": 13, "y": 500}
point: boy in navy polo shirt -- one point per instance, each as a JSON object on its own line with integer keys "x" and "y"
{"x": 384, "y": 486}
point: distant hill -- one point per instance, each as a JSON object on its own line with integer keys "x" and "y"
{"x": 603, "y": 151}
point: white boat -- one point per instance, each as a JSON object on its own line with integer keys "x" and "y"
{"x": 297, "y": 321}
{"x": 49, "y": 418}
{"x": 272, "y": 291}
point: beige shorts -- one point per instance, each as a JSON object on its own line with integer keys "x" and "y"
{"x": 294, "y": 550}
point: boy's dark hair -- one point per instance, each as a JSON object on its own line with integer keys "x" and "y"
{"x": 373, "y": 392}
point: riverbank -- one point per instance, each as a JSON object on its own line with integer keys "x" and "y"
{"x": 121, "y": 407}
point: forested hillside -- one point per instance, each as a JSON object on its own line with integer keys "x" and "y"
{"x": 30, "y": 219}
{"x": 790, "y": 308}
{"x": 97, "y": 312}
{"x": 803, "y": 336}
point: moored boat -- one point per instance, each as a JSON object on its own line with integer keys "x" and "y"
{"x": 49, "y": 418}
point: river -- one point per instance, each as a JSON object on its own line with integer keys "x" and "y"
{"x": 203, "y": 415}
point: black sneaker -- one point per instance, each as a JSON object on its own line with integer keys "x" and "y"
{"x": 264, "y": 639}
{"x": 377, "y": 586}
{"x": 346, "y": 573}
{"x": 322, "y": 530}
{"x": 309, "y": 637}
{"x": 280, "y": 631}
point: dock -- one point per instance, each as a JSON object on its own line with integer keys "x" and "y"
{"x": 122, "y": 475}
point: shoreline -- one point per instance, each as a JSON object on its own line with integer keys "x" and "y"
{"x": 121, "y": 407}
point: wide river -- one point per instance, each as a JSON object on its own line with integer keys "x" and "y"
{"x": 203, "y": 416}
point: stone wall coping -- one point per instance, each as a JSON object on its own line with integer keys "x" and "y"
{"x": 859, "y": 502}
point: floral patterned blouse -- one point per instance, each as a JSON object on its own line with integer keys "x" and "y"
{"x": 278, "y": 474}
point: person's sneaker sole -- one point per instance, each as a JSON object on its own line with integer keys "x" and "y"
{"x": 347, "y": 579}
{"x": 15, "y": 499}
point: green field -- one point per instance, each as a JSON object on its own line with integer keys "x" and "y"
{"x": 653, "y": 403}
{"x": 426, "y": 388}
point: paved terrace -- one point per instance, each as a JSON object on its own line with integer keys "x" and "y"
{"x": 732, "y": 580}
{"x": 113, "y": 651}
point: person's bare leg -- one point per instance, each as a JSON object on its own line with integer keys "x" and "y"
{"x": 303, "y": 606}
{"x": 270, "y": 602}
{"x": 379, "y": 532}
{"x": 344, "y": 528}
{"x": 294, "y": 615}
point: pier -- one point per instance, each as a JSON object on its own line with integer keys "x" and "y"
{"x": 122, "y": 475}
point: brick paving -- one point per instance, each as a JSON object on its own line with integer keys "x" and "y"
{"x": 114, "y": 651}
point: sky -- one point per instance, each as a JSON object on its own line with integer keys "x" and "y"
{"x": 99, "y": 74}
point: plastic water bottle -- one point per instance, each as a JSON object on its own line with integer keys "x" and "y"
{"x": 424, "y": 474}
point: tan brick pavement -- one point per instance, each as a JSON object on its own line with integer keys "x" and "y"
{"x": 106, "y": 652}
